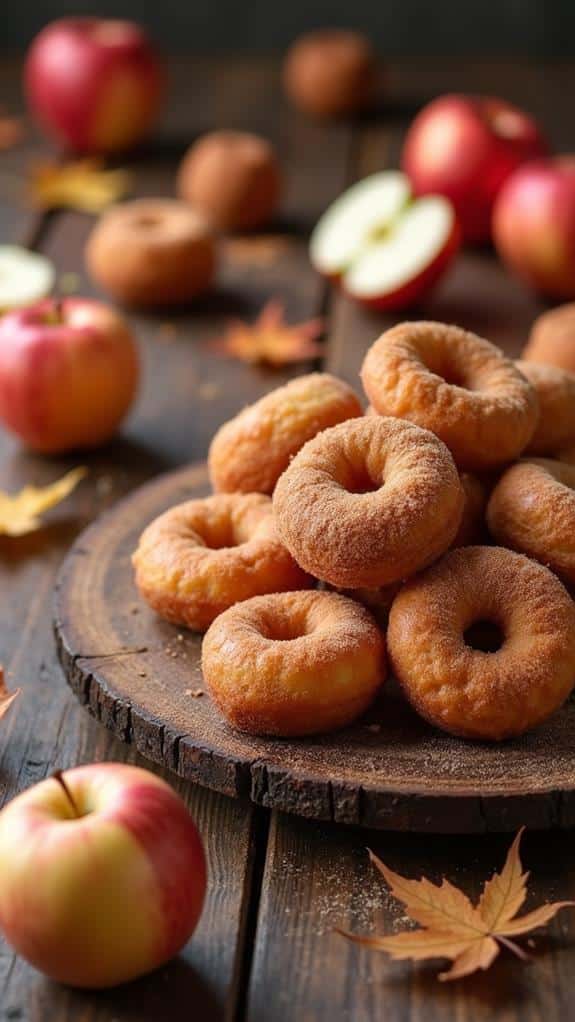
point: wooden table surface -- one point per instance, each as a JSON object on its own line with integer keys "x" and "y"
{"x": 265, "y": 949}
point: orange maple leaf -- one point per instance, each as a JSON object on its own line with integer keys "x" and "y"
{"x": 83, "y": 185}
{"x": 6, "y": 697}
{"x": 468, "y": 935}
{"x": 270, "y": 339}
{"x": 20, "y": 512}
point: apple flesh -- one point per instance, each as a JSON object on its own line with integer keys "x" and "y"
{"x": 68, "y": 373}
{"x": 102, "y": 879}
{"x": 94, "y": 85}
{"x": 534, "y": 225}
{"x": 465, "y": 148}
{"x": 384, "y": 248}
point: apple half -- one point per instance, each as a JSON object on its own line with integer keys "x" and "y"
{"x": 25, "y": 277}
{"x": 381, "y": 245}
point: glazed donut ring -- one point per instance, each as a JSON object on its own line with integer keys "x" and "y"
{"x": 532, "y": 509}
{"x": 552, "y": 338}
{"x": 456, "y": 384}
{"x": 443, "y": 670}
{"x": 369, "y": 502}
{"x": 152, "y": 252}
{"x": 249, "y": 453}
{"x": 199, "y": 558}
{"x": 555, "y": 391}
{"x": 293, "y": 663}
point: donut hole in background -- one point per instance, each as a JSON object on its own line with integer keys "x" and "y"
{"x": 217, "y": 535}
{"x": 147, "y": 221}
{"x": 356, "y": 477}
{"x": 450, "y": 370}
{"x": 484, "y": 636}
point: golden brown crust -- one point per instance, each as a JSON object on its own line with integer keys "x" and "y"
{"x": 330, "y": 72}
{"x": 293, "y": 663}
{"x": 552, "y": 338}
{"x": 472, "y": 527}
{"x": 249, "y": 453}
{"x": 466, "y": 691}
{"x": 555, "y": 389}
{"x": 233, "y": 177}
{"x": 369, "y": 502}
{"x": 456, "y": 384}
{"x": 151, "y": 252}
{"x": 199, "y": 558}
{"x": 532, "y": 509}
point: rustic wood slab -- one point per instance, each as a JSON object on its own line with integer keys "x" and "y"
{"x": 142, "y": 678}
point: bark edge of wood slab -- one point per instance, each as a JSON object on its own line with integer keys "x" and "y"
{"x": 137, "y": 675}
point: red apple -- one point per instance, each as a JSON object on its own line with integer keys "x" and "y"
{"x": 465, "y": 147}
{"x": 94, "y": 84}
{"x": 68, "y": 373}
{"x": 102, "y": 877}
{"x": 534, "y": 225}
{"x": 384, "y": 248}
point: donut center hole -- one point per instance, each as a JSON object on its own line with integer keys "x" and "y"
{"x": 361, "y": 482}
{"x": 147, "y": 221}
{"x": 285, "y": 629}
{"x": 219, "y": 536}
{"x": 484, "y": 636}
{"x": 455, "y": 376}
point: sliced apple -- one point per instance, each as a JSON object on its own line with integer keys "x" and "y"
{"x": 25, "y": 277}
{"x": 382, "y": 246}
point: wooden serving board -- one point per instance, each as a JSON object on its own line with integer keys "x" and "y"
{"x": 142, "y": 678}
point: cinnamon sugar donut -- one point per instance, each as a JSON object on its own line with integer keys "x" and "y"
{"x": 456, "y": 384}
{"x": 249, "y": 453}
{"x": 369, "y": 502}
{"x": 552, "y": 338}
{"x": 455, "y": 679}
{"x": 199, "y": 558}
{"x": 555, "y": 389}
{"x": 532, "y": 509}
{"x": 152, "y": 252}
{"x": 293, "y": 663}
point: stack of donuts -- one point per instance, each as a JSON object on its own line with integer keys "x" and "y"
{"x": 338, "y": 541}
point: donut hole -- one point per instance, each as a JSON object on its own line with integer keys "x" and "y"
{"x": 218, "y": 534}
{"x": 354, "y": 477}
{"x": 484, "y": 636}
{"x": 285, "y": 627}
{"x": 147, "y": 221}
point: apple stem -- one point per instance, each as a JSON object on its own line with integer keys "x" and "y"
{"x": 59, "y": 777}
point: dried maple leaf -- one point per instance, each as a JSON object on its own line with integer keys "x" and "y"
{"x": 6, "y": 697}
{"x": 84, "y": 185}
{"x": 270, "y": 340}
{"x": 20, "y": 512}
{"x": 469, "y": 936}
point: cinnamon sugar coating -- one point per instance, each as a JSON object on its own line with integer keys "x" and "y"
{"x": 199, "y": 558}
{"x": 464, "y": 690}
{"x": 456, "y": 384}
{"x": 555, "y": 389}
{"x": 293, "y": 663}
{"x": 249, "y": 453}
{"x": 552, "y": 338}
{"x": 532, "y": 509}
{"x": 368, "y": 502}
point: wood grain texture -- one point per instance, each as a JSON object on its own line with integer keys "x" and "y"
{"x": 173, "y": 421}
{"x": 141, "y": 677}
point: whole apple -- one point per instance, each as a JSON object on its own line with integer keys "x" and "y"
{"x": 534, "y": 225}
{"x": 95, "y": 85}
{"x": 102, "y": 874}
{"x": 465, "y": 148}
{"x": 68, "y": 373}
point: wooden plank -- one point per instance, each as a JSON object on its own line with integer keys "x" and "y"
{"x": 173, "y": 422}
{"x": 317, "y": 876}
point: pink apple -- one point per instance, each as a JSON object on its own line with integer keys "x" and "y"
{"x": 381, "y": 246}
{"x": 94, "y": 84}
{"x": 534, "y": 225}
{"x": 102, "y": 877}
{"x": 68, "y": 373}
{"x": 465, "y": 147}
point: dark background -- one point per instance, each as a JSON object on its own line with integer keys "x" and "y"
{"x": 398, "y": 27}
